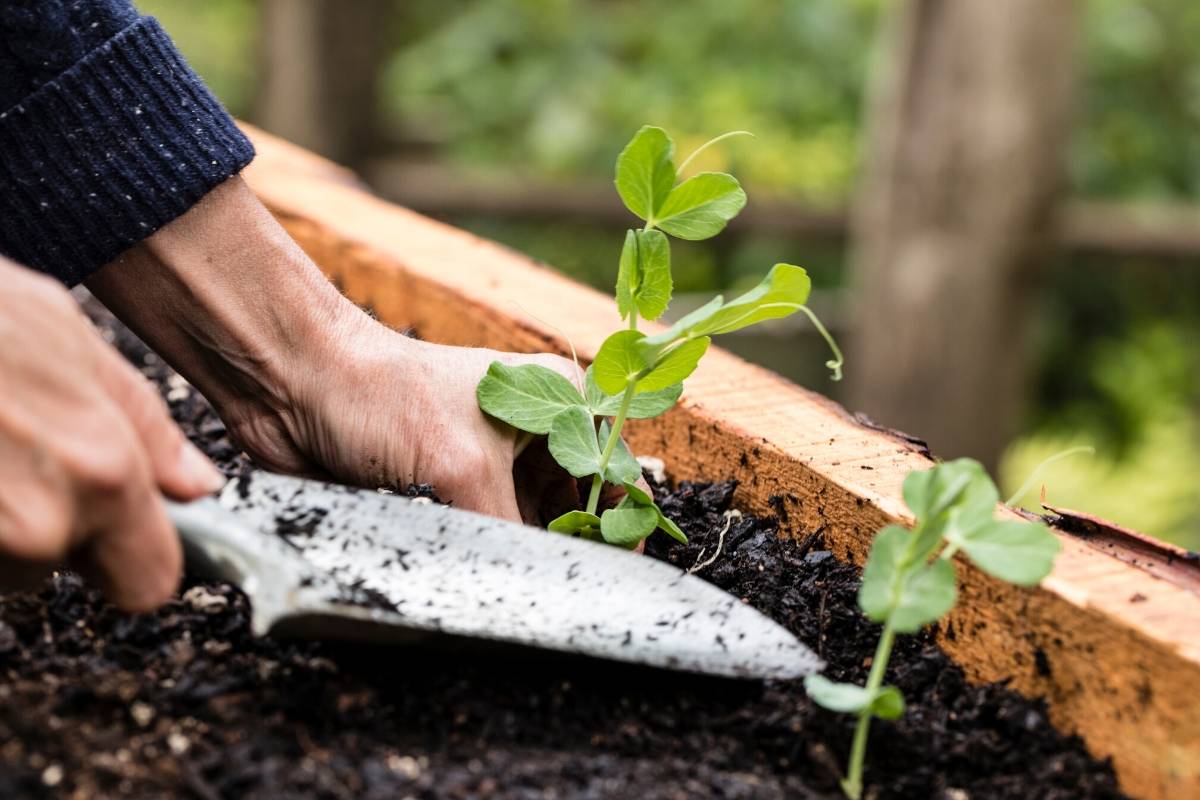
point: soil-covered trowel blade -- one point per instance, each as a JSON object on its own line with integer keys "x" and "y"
{"x": 334, "y": 562}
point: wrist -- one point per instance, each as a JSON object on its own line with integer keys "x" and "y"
{"x": 226, "y": 296}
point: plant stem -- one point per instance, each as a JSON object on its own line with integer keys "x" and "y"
{"x": 852, "y": 785}
{"x": 614, "y": 436}
{"x": 838, "y": 359}
{"x": 1037, "y": 471}
{"x": 706, "y": 145}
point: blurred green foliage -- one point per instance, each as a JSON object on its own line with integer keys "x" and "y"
{"x": 559, "y": 85}
{"x": 1136, "y": 135}
{"x": 1145, "y": 475}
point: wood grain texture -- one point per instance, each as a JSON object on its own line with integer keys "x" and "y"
{"x": 1115, "y": 651}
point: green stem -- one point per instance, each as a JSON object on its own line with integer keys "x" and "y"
{"x": 1040, "y": 468}
{"x": 706, "y": 145}
{"x": 852, "y": 785}
{"x": 610, "y": 446}
{"x": 838, "y": 359}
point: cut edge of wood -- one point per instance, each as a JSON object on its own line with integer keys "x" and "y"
{"x": 1114, "y": 650}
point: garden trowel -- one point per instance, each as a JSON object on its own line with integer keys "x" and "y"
{"x": 318, "y": 560}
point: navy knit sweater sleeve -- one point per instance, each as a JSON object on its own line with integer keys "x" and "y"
{"x": 105, "y": 133}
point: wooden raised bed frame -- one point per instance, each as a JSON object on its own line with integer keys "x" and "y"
{"x": 1114, "y": 648}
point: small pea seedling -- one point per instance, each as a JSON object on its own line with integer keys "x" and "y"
{"x": 636, "y": 376}
{"x": 909, "y": 581}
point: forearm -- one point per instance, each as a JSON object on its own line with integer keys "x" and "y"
{"x": 229, "y": 300}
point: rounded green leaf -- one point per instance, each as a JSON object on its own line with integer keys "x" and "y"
{"x": 645, "y": 172}
{"x": 635, "y": 496}
{"x": 778, "y": 294}
{"x": 528, "y": 396}
{"x": 644, "y": 274}
{"x": 927, "y": 594}
{"x": 644, "y": 406}
{"x": 1018, "y": 552}
{"x": 573, "y": 442}
{"x": 627, "y": 526}
{"x": 701, "y": 206}
{"x": 676, "y": 365}
{"x": 888, "y": 703}
{"x": 619, "y": 361}
{"x": 628, "y": 274}
{"x": 654, "y": 263}
{"x": 577, "y": 522}
{"x": 875, "y": 596}
{"x": 962, "y": 481}
{"x": 683, "y": 327}
{"x": 848, "y": 698}
{"x": 844, "y": 698}
{"x": 622, "y": 466}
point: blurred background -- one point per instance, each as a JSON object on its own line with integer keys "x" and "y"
{"x": 999, "y": 202}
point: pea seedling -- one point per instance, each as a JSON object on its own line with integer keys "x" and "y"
{"x": 634, "y": 375}
{"x": 909, "y": 581}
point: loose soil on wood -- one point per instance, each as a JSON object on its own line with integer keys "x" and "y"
{"x": 186, "y": 703}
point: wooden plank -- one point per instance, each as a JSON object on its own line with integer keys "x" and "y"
{"x": 1114, "y": 650}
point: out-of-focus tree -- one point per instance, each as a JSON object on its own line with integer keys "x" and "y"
{"x": 319, "y": 75}
{"x": 955, "y": 214}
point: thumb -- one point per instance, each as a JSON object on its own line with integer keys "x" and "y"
{"x": 179, "y": 468}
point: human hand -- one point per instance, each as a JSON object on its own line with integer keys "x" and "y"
{"x": 387, "y": 410}
{"x": 309, "y": 384}
{"x": 86, "y": 449}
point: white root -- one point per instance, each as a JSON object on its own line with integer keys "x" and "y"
{"x": 730, "y": 516}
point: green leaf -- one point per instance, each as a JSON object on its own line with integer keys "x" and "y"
{"x": 844, "y": 698}
{"x": 963, "y": 481}
{"x": 1018, "y": 552}
{"x": 654, "y": 263}
{"x": 573, "y": 442}
{"x": 908, "y": 593}
{"x": 888, "y": 703}
{"x": 644, "y": 406}
{"x": 644, "y": 275}
{"x": 701, "y": 206}
{"x": 627, "y": 526}
{"x": 622, "y": 466}
{"x": 635, "y": 496}
{"x": 628, "y": 274}
{"x": 619, "y": 361}
{"x": 777, "y": 295}
{"x": 528, "y": 396}
{"x": 675, "y": 366}
{"x": 577, "y": 522}
{"x": 849, "y": 698}
{"x": 876, "y": 597}
{"x": 652, "y": 345}
{"x": 645, "y": 172}
{"x": 927, "y": 594}
{"x": 959, "y": 489}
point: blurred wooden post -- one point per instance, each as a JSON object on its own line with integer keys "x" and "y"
{"x": 320, "y": 65}
{"x": 956, "y": 212}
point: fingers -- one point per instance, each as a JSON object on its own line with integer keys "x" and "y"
{"x": 136, "y": 558}
{"x": 490, "y": 493}
{"x": 120, "y": 523}
{"x": 179, "y": 469}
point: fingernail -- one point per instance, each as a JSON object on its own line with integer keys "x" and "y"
{"x": 198, "y": 468}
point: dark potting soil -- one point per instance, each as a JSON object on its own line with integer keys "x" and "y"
{"x": 186, "y": 703}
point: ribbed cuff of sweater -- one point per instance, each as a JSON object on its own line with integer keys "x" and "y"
{"x": 120, "y": 144}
